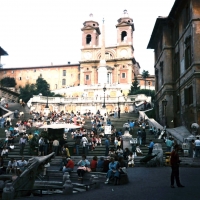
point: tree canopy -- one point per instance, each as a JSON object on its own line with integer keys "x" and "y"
{"x": 135, "y": 86}
{"x": 8, "y": 82}
{"x": 41, "y": 87}
{"x": 145, "y": 74}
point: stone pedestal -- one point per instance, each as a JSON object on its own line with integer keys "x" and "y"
{"x": 46, "y": 112}
{"x": 103, "y": 111}
{"x": 126, "y": 140}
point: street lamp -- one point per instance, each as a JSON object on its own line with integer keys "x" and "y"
{"x": 47, "y": 106}
{"x": 149, "y": 87}
{"x": 104, "y": 89}
{"x": 164, "y": 103}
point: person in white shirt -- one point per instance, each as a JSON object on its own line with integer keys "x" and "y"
{"x": 4, "y": 152}
{"x": 197, "y": 147}
{"x": 21, "y": 164}
{"x": 131, "y": 160}
{"x": 84, "y": 141}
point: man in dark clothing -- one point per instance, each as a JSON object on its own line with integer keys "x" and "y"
{"x": 77, "y": 144}
{"x": 107, "y": 144}
{"x": 143, "y": 137}
{"x": 119, "y": 112}
{"x": 174, "y": 161}
{"x": 106, "y": 164}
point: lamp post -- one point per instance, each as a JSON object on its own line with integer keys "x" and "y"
{"x": 164, "y": 103}
{"x": 149, "y": 87}
{"x": 47, "y": 106}
{"x": 104, "y": 89}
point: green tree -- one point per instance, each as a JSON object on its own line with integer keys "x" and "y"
{"x": 135, "y": 86}
{"x": 145, "y": 74}
{"x": 8, "y": 82}
{"x": 42, "y": 87}
{"x": 27, "y": 92}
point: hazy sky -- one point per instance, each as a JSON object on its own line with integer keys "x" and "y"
{"x": 41, "y": 32}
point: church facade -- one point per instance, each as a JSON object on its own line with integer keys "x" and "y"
{"x": 120, "y": 62}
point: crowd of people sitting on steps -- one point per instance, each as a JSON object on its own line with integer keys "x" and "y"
{"x": 114, "y": 166}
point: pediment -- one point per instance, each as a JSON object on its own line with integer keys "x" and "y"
{"x": 88, "y": 27}
{"x": 124, "y": 24}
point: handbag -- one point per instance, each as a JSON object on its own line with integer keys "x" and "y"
{"x": 88, "y": 169}
{"x": 82, "y": 167}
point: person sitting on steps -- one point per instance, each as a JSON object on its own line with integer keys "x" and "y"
{"x": 83, "y": 163}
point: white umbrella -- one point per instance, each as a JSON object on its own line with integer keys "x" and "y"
{"x": 59, "y": 126}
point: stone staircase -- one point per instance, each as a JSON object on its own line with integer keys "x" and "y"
{"x": 53, "y": 172}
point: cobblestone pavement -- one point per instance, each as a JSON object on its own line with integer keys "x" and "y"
{"x": 145, "y": 184}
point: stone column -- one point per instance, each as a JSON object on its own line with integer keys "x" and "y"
{"x": 126, "y": 140}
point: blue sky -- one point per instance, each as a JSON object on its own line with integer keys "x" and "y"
{"x": 41, "y": 32}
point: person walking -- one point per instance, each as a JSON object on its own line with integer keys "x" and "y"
{"x": 150, "y": 147}
{"x": 119, "y": 111}
{"x": 139, "y": 137}
{"x": 77, "y": 144}
{"x": 56, "y": 146}
{"x": 197, "y": 147}
{"x": 22, "y": 143}
{"x": 174, "y": 161}
{"x": 107, "y": 144}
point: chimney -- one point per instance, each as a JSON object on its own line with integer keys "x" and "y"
{"x": 69, "y": 62}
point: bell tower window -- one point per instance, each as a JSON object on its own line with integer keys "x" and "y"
{"x": 124, "y": 36}
{"x": 88, "y": 39}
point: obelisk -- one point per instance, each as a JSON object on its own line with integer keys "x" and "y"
{"x": 102, "y": 70}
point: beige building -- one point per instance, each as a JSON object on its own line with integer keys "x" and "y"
{"x": 58, "y": 76}
{"x": 175, "y": 39}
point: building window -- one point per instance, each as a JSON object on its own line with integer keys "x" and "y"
{"x": 177, "y": 65}
{"x": 188, "y": 58}
{"x": 88, "y": 39}
{"x": 78, "y": 76}
{"x": 64, "y": 72}
{"x": 40, "y": 75}
{"x": 188, "y": 93}
{"x": 12, "y": 72}
{"x": 63, "y": 81}
{"x": 20, "y": 78}
{"x": 177, "y": 103}
{"x": 161, "y": 73}
{"x": 123, "y": 36}
{"x": 34, "y": 70}
{"x": 4, "y": 72}
{"x": 123, "y": 75}
{"x": 87, "y": 77}
{"x": 187, "y": 16}
{"x": 176, "y": 33}
{"x": 156, "y": 79}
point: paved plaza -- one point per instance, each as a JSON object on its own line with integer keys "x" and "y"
{"x": 145, "y": 184}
